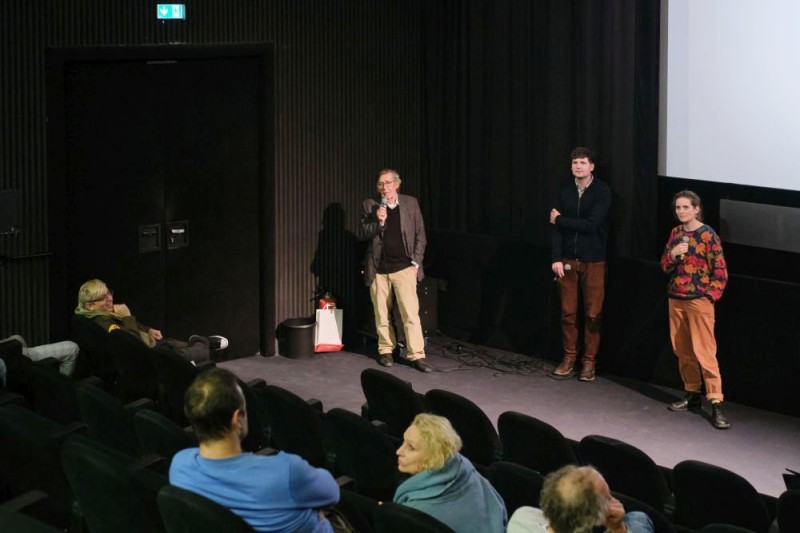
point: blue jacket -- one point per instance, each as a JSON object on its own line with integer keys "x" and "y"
{"x": 456, "y": 495}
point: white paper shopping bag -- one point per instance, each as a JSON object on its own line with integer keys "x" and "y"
{"x": 328, "y": 333}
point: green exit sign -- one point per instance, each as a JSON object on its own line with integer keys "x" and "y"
{"x": 171, "y": 11}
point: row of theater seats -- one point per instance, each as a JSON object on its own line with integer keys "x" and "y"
{"x": 690, "y": 497}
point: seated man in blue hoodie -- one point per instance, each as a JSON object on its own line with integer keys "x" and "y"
{"x": 277, "y": 493}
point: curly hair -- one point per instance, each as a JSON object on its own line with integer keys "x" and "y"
{"x": 570, "y": 500}
{"x": 439, "y": 439}
{"x": 581, "y": 152}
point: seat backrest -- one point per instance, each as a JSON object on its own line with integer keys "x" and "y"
{"x": 136, "y": 372}
{"x": 789, "y": 510}
{"x": 533, "y": 443}
{"x": 158, "y": 435}
{"x": 54, "y": 394}
{"x": 481, "y": 441}
{"x": 627, "y": 469}
{"x": 516, "y": 484}
{"x": 17, "y": 368}
{"x": 395, "y": 518}
{"x": 106, "y": 419}
{"x": 259, "y": 432}
{"x": 17, "y": 521}
{"x": 363, "y": 452}
{"x": 186, "y": 512}
{"x": 724, "y": 528}
{"x": 707, "y": 494}
{"x": 94, "y": 358}
{"x": 175, "y": 374}
{"x": 296, "y": 427}
{"x": 29, "y": 459}
{"x": 113, "y": 492}
{"x": 390, "y": 400}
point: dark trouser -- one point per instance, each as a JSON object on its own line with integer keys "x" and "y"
{"x": 197, "y": 350}
{"x": 589, "y": 279}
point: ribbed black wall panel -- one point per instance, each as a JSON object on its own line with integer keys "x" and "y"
{"x": 348, "y": 102}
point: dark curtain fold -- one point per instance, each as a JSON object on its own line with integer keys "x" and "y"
{"x": 511, "y": 86}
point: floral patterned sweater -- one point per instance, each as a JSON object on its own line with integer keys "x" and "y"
{"x": 702, "y": 272}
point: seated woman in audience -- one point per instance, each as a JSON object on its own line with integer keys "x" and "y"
{"x": 443, "y": 483}
{"x": 96, "y": 301}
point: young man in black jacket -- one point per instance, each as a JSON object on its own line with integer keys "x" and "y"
{"x": 579, "y": 237}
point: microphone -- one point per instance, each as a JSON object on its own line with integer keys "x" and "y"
{"x": 383, "y": 205}
{"x": 684, "y": 239}
{"x": 567, "y": 268}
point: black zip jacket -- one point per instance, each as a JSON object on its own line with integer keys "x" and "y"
{"x": 581, "y": 232}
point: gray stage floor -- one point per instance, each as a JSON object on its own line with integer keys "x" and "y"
{"x": 758, "y": 446}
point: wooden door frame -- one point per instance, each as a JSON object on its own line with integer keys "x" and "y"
{"x": 63, "y": 298}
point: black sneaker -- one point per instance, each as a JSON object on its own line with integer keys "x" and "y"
{"x": 217, "y": 342}
{"x": 693, "y": 401}
{"x": 718, "y": 419}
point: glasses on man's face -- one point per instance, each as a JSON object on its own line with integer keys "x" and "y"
{"x": 108, "y": 294}
{"x": 382, "y": 184}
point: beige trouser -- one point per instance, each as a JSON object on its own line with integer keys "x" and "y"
{"x": 404, "y": 286}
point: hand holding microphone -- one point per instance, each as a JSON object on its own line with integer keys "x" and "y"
{"x": 684, "y": 245}
{"x": 381, "y": 212}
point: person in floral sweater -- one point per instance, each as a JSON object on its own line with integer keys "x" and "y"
{"x": 694, "y": 260}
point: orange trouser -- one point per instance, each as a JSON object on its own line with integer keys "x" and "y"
{"x": 691, "y": 329}
{"x": 590, "y": 279}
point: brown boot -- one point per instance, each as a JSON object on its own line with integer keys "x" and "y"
{"x": 587, "y": 371}
{"x": 564, "y": 370}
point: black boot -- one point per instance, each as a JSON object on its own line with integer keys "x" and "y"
{"x": 718, "y": 419}
{"x": 693, "y": 401}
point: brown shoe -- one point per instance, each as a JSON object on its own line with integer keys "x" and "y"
{"x": 564, "y": 370}
{"x": 587, "y": 371}
{"x": 385, "y": 359}
{"x": 421, "y": 365}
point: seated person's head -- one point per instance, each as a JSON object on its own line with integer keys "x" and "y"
{"x": 215, "y": 406}
{"x": 575, "y": 499}
{"x": 95, "y": 297}
{"x": 428, "y": 443}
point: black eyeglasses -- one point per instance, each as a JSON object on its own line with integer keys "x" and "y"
{"x": 108, "y": 293}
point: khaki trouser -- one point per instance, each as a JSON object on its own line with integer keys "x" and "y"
{"x": 404, "y": 286}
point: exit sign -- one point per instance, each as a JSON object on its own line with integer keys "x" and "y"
{"x": 171, "y": 11}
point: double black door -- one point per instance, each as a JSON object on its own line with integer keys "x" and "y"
{"x": 162, "y": 191}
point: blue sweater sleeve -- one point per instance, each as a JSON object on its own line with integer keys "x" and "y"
{"x": 311, "y": 487}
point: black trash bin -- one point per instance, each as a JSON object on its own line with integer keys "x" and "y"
{"x": 296, "y": 338}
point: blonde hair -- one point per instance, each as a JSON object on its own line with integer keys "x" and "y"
{"x": 91, "y": 291}
{"x": 439, "y": 439}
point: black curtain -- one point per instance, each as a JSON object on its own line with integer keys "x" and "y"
{"x": 511, "y": 86}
